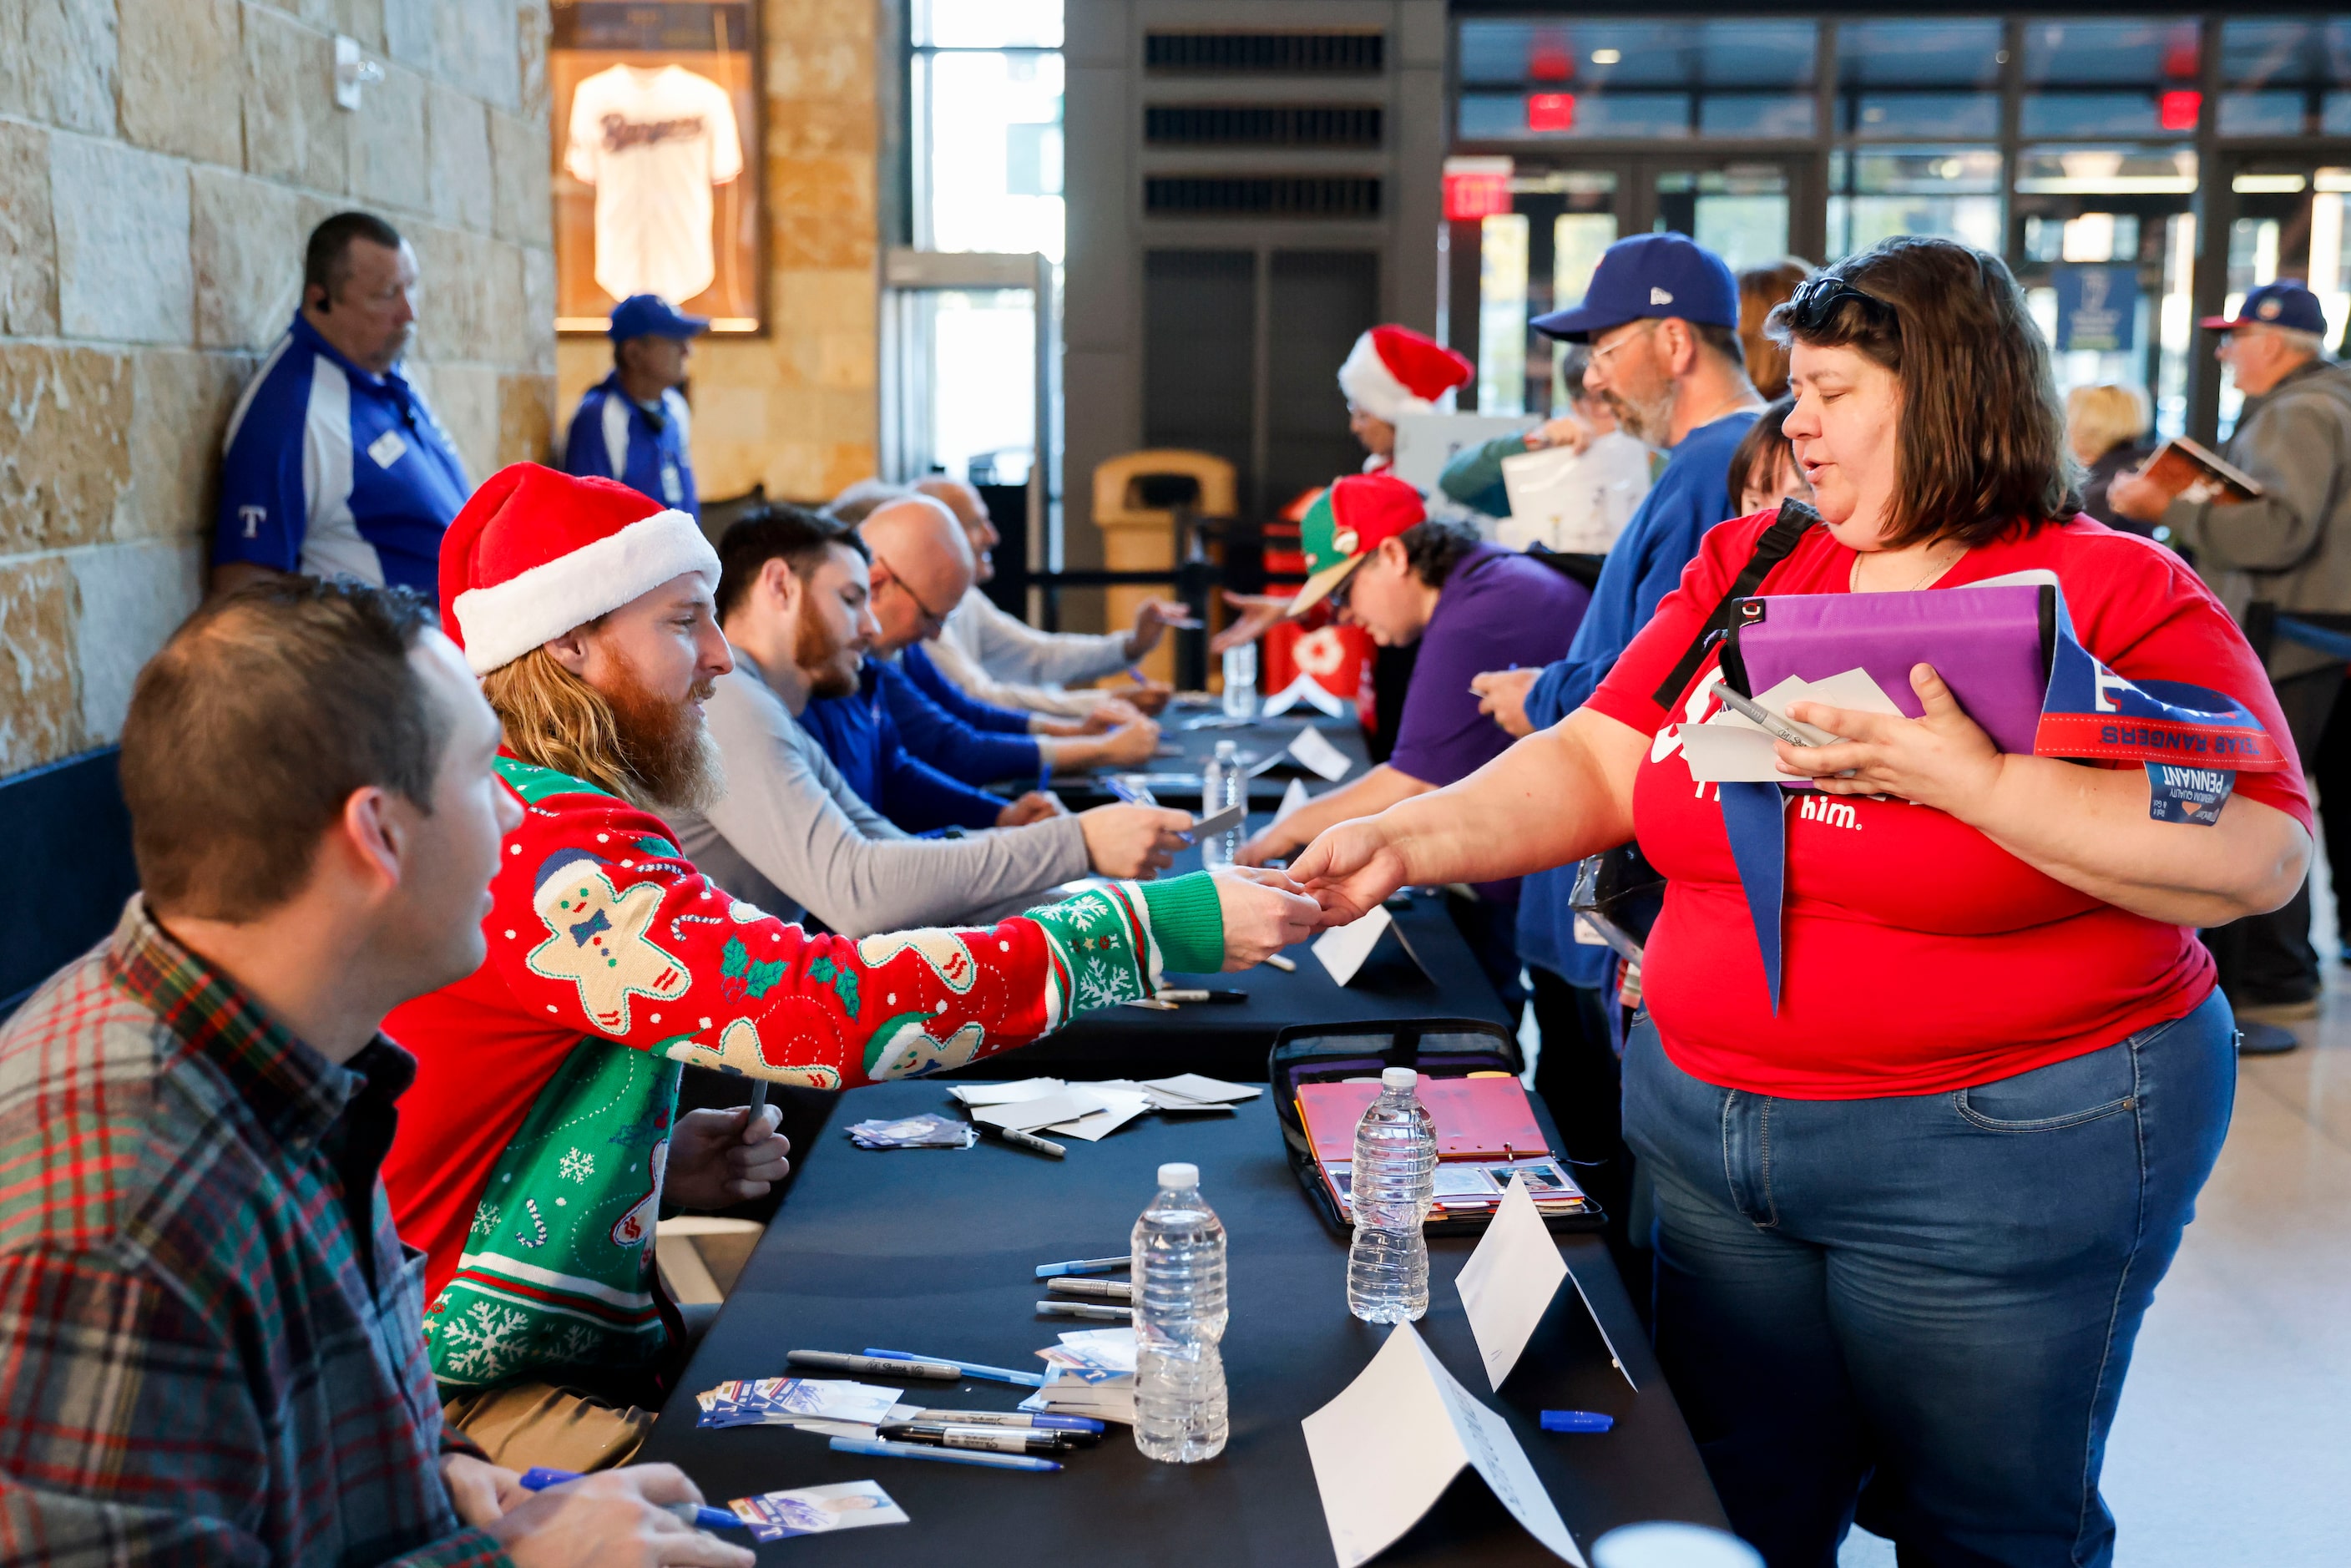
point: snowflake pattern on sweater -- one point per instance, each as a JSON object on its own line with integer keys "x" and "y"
{"x": 530, "y": 1153}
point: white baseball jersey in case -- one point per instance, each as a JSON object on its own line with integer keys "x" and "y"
{"x": 652, "y": 143}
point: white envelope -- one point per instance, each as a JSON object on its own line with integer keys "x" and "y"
{"x": 1343, "y": 949}
{"x": 1508, "y": 1283}
{"x": 1314, "y": 749}
{"x": 1387, "y": 1447}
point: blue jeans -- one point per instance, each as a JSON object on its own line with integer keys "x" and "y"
{"x": 1931, "y": 1295}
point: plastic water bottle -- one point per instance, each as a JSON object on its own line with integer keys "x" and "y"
{"x": 1180, "y": 1415}
{"x": 1240, "y": 681}
{"x": 1222, "y": 784}
{"x": 1393, "y": 1180}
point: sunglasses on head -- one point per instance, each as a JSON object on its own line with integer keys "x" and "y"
{"x": 1815, "y": 300}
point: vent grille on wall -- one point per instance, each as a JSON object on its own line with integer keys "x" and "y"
{"x": 1256, "y": 196}
{"x": 1293, "y": 54}
{"x": 1262, "y": 125}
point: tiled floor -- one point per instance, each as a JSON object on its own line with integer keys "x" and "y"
{"x": 2233, "y": 1445}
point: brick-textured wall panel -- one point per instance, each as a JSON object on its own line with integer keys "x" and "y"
{"x": 58, "y": 62}
{"x": 246, "y": 241}
{"x": 387, "y": 137}
{"x": 65, "y": 444}
{"x": 181, "y": 68}
{"x": 179, "y": 414}
{"x": 525, "y": 419}
{"x": 40, "y": 705}
{"x": 28, "y": 239}
{"x": 121, "y": 217}
{"x": 127, "y": 600}
{"x": 457, "y": 127}
{"x": 293, "y": 131}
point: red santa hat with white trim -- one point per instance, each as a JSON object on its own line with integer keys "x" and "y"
{"x": 536, "y": 553}
{"x": 1395, "y": 371}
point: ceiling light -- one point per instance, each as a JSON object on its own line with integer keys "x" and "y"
{"x": 1607, "y": 57}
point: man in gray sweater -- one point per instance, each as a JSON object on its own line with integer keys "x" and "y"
{"x": 2289, "y": 546}
{"x": 791, "y": 835}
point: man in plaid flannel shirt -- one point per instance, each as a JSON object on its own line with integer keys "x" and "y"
{"x": 215, "y": 1345}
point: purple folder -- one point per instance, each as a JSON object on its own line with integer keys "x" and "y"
{"x": 1990, "y": 645}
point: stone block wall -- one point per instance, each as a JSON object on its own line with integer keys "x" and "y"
{"x": 160, "y": 164}
{"x": 796, "y": 409}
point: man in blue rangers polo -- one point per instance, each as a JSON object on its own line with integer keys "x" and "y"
{"x": 633, "y": 425}
{"x": 333, "y": 464}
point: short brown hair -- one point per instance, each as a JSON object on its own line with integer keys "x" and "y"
{"x": 1759, "y": 452}
{"x": 1759, "y": 289}
{"x": 1982, "y": 443}
{"x": 254, "y": 726}
{"x": 757, "y": 537}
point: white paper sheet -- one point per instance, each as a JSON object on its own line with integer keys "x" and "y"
{"x": 1343, "y": 949}
{"x": 1614, "y": 1360}
{"x": 1122, "y": 1104}
{"x": 1291, "y": 799}
{"x": 1027, "y": 1115}
{"x": 1006, "y": 1094}
{"x": 1732, "y": 749}
{"x": 1209, "y": 1090}
{"x": 1313, "y": 748}
{"x": 1508, "y": 1283}
{"x": 1387, "y": 1447}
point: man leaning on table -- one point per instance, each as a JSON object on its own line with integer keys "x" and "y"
{"x": 215, "y": 1342}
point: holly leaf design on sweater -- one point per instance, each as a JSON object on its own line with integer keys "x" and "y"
{"x": 758, "y": 977}
{"x": 825, "y": 972}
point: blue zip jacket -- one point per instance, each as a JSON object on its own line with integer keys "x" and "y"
{"x": 614, "y": 437}
{"x": 960, "y": 738}
{"x": 860, "y": 736}
{"x": 1691, "y": 495}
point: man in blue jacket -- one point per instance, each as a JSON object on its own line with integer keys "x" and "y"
{"x": 1662, "y": 317}
{"x": 333, "y": 465}
{"x": 633, "y": 425}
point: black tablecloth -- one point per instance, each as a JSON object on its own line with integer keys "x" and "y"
{"x": 933, "y": 1251}
{"x": 1175, "y": 780}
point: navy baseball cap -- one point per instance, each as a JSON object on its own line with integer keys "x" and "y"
{"x": 1646, "y": 278}
{"x": 651, "y": 316}
{"x": 2284, "y": 303}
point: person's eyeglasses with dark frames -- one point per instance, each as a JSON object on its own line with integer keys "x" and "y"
{"x": 1817, "y": 299}
{"x": 932, "y": 618}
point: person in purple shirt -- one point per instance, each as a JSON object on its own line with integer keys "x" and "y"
{"x": 1406, "y": 577}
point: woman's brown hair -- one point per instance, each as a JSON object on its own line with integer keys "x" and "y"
{"x": 1759, "y": 289}
{"x": 1982, "y": 442}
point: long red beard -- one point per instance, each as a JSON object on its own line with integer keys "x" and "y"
{"x": 664, "y": 743}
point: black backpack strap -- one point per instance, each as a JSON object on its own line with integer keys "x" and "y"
{"x": 1774, "y": 546}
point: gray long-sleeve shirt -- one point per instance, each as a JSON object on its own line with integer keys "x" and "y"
{"x": 791, "y": 835}
{"x": 2292, "y": 546}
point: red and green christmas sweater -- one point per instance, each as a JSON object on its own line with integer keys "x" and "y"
{"x": 529, "y": 1160}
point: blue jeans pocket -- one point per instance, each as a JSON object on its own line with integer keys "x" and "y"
{"x": 2068, "y": 1094}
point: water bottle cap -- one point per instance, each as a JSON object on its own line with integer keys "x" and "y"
{"x": 1399, "y": 1078}
{"x": 1228, "y": 750}
{"x": 1178, "y": 1174}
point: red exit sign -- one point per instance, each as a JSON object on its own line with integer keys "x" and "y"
{"x": 1476, "y": 188}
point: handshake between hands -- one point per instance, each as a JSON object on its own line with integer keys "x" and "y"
{"x": 1339, "y": 878}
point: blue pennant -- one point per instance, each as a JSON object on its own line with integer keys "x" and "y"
{"x": 1754, "y": 818}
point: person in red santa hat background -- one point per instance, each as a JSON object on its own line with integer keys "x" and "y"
{"x": 1391, "y": 371}
{"x": 542, "y": 1133}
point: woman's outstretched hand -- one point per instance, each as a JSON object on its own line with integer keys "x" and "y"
{"x": 1348, "y": 870}
{"x": 1942, "y": 758}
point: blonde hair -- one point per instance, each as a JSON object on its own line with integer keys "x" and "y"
{"x": 554, "y": 719}
{"x": 2100, "y": 418}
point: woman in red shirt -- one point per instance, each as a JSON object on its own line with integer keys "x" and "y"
{"x": 1909, "y": 1220}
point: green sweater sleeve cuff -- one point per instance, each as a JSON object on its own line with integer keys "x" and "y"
{"x": 1187, "y": 921}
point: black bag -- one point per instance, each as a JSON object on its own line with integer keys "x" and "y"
{"x": 1616, "y": 891}
{"x": 1440, "y": 1047}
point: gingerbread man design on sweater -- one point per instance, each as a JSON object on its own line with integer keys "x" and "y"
{"x": 597, "y": 938}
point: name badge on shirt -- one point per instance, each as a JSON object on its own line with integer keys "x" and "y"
{"x": 2195, "y": 795}
{"x": 387, "y": 449}
{"x": 672, "y": 491}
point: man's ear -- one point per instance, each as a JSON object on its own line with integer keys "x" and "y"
{"x": 776, "y": 576}
{"x": 570, "y": 651}
{"x": 370, "y": 838}
{"x": 1677, "y": 341}
{"x": 1393, "y": 553}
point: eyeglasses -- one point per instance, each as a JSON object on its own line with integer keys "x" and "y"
{"x": 1600, "y": 356}
{"x": 931, "y": 618}
{"x": 1817, "y": 299}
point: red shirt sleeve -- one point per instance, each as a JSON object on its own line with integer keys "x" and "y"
{"x": 1628, "y": 691}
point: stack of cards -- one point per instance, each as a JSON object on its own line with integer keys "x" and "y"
{"x": 1192, "y": 1091}
{"x": 1475, "y": 1187}
{"x": 794, "y": 1402}
{"x": 810, "y": 1511}
{"x": 1092, "y": 1374}
{"x": 1052, "y": 1108}
{"x": 927, "y": 1130}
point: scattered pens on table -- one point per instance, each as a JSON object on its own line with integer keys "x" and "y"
{"x": 1576, "y": 1421}
{"x": 1133, "y": 794}
{"x": 1106, "y": 1314}
{"x": 967, "y": 1368}
{"x": 978, "y": 1439}
{"x": 1083, "y": 1426}
{"x": 694, "y": 1514}
{"x": 1100, "y": 1290}
{"x": 1029, "y": 1141}
{"x": 1286, "y": 965}
{"x": 876, "y": 1447}
{"x": 1086, "y": 1265}
{"x": 1185, "y": 994}
{"x": 882, "y": 1367}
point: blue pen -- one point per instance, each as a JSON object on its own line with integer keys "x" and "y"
{"x": 1576, "y": 1421}
{"x": 694, "y": 1514}
{"x": 1131, "y": 794}
{"x": 1085, "y": 1266}
{"x": 877, "y": 1446}
{"x": 971, "y": 1368}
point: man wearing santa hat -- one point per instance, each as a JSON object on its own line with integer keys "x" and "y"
{"x": 541, "y": 1138}
{"x": 1393, "y": 372}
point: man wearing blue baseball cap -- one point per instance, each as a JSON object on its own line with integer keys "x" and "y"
{"x": 1662, "y": 317}
{"x": 633, "y": 425}
{"x": 2289, "y": 547}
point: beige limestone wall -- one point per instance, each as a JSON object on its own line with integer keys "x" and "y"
{"x": 795, "y": 409}
{"x": 161, "y": 162}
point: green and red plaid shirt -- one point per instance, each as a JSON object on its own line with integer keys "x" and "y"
{"x": 214, "y": 1346}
